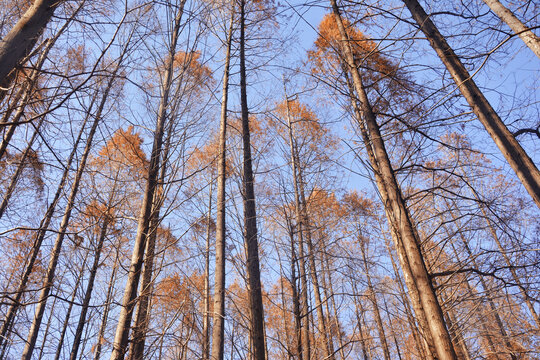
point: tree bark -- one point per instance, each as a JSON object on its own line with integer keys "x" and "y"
{"x": 521, "y": 163}
{"x": 218, "y": 329}
{"x": 399, "y": 218}
{"x": 130, "y": 294}
{"x": 250, "y": 216}
{"x": 526, "y": 34}
{"x": 55, "y": 254}
{"x": 20, "y": 41}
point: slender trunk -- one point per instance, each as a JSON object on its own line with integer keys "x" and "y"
{"x": 421, "y": 344}
{"x": 105, "y": 316}
{"x": 130, "y": 294}
{"x": 20, "y": 41}
{"x": 40, "y": 236}
{"x": 68, "y": 313}
{"x": 329, "y": 288}
{"x": 427, "y": 340}
{"x": 205, "y": 344}
{"x": 55, "y": 254}
{"x": 526, "y": 34}
{"x": 359, "y": 311}
{"x": 373, "y": 299}
{"x": 250, "y": 216}
{"x": 392, "y": 330}
{"x": 142, "y": 318}
{"x": 89, "y": 287}
{"x": 294, "y": 294}
{"x": 399, "y": 218}
{"x": 306, "y": 352}
{"x": 218, "y": 329}
{"x": 518, "y": 159}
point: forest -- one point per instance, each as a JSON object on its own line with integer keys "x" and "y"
{"x": 269, "y": 179}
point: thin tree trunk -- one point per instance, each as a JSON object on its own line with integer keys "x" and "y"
{"x": 526, "y": 34}
{"x": 359, "y": 310}
{"x": 43, "y": 227}
{"x": 20, "y": 41}
{"x": 373, "y": 299}
{"x": 306, "y": 351}
{"x": 142, "y": 319}
{"x": 392, "y": 330}
{"x": 518, "y": 159}
{"x": 427, "y": 340}
{"x": 399, "y": 218}
{"x": 294, "y": 293}
{"x": 101, "y": 334}
{"x": 90, "y": 286}
{"x": 68, "y": 313}
{"x": 218, "y": 329}
{"x": 130, "y": 294}
{"x": 205, "y": 344}
{"x": 55, "y": 254}
{"x": 250, "y": 216}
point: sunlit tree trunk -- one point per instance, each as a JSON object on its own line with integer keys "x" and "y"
{"x": 90, "y": 287}
{"x": 398, "y": 215}
{"x": 143, "y": 228}
{"x": 40, "y": 235}
{"x": 526, "y": 34}
{"x": 20, "y": 41}
{"x": 205, "y": 344}
{"x": 250, "y": 217}
{"x": 521, "y": 163}
{"x": 55, "y": 254}
{"x": 218, "y": 327}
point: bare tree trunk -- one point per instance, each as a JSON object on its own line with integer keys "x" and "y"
{"x": 205, "y": 344}
{"x": 373, "y": 299}
{"x": 55, "y": 254}
{"x": 392, "y": 330}
{"x": 398, "y": 215}
{"x": 68, "y": 313}
{"x": 526, "y": 34}
{"x": 421, "y": 344}
{"x": 108, "y": 300}
{"x": 359, "y": 311}
{"x": 306, "y": 352}
{"x": 90, "y": 286}
{"x": 43, "y": 228}
{"x": 142, "y": 318}
{"x": 427, "y": 340}
{"x": 518, "y": 159}
{"x": 250, "y": 216}
{"x": 218, "y": 329}
{"x": 130, "y": 294}
{"x": 20, "y": 41}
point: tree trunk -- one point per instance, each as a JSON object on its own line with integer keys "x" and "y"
{"x": 20, "y": 41}
{"x": 250, "y": 216}
{"x": 130, "y": 294}
{"x": 55, "y": 254}
{"x": 373, "y": 299}
{"x": 518, "y": 159}
{"x": 205, "y": 344}
{"x": 105, "y": 316}
{"x": 526, "y": 34}
{"x": 43, "y": 228}
{"x": 218, "y": 329}
{"x": 305, "y": 335}
{"x": 399, "y": 218}
{"x": 90, "y": 287}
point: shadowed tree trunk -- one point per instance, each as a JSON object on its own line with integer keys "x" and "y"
{"x": 397, "y": 213}
{"x": 130, "y": 294}
{"x": 20, "y": 41}
{"x": 521, "y": 163}
{"x": 218, "y": 329}
{"x": 250, "y": 216}
{"x": 55, "y": 254}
